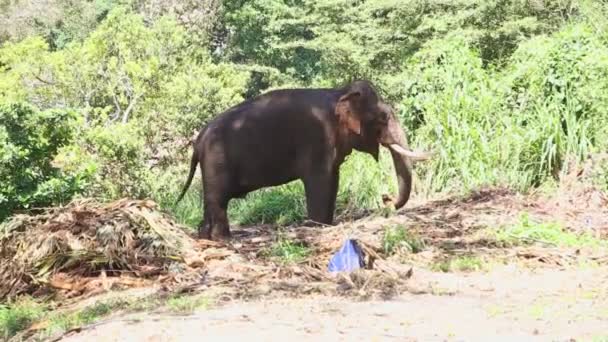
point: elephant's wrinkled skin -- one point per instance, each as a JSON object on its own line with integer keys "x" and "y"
{"x": 291, "y": 134}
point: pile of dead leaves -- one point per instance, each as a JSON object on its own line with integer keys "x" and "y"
{"x": 579, "y": 201}
{"x": 65, "y": 248}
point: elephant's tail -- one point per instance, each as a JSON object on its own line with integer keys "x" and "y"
{"x": 193, "y": 164}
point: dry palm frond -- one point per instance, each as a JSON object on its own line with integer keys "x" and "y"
{"x": 84, "y": 238}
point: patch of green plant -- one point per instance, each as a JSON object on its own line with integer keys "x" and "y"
{"x": 88, "y": 315}
{"x": 22, "y": 314}
{"x": 31, "y": 145}
{"x": 187, "y": 304}
{"x": 528, "y": 231}
{"x": 282, "y": 205}
{"x": 600, "y": 338}
{"x": 288, "y": 251}
{"x": 19, "y": 316}
{"x": 58, "y": 322}
{"x": 461, "y": 264}
{"x": 538, "y": 310}
{"x": 189, "y": 211}
{"x": 398, "y": 238}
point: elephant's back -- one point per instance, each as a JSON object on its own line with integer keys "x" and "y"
{"x": 274, "y": 132}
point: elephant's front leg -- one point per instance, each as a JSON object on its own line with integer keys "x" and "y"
{"x": 321, "y": 191}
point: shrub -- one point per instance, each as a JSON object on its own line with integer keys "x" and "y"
{"x": 119, "y": 152}
{"x": 30, "y": 141}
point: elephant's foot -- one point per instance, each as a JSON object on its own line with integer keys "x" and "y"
{"x": 221, "y": 235}
{"x": 310, "y": 223}
{"x": 204, "y": 233}
{"x": 315, "y": 223}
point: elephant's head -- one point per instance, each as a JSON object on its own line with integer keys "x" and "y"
{"x": 369, "y": 122}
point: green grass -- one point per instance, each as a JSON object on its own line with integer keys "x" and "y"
{"x": 168, "y": 186}
{"x": 461, "y": 264}
{"x": 188, "y": 304}
{"x": 23, "y": 313}
{"x": 528, "y": 231}
{"x": 189, "y": 211}
{"x": 88, "y": 315}
{"x": 599, "y": 339}
{"x": 19, "y": 316}
{"x": 287, "y": 251}
{"x": 282, "y": 205}
{"x": 398, "y": 239}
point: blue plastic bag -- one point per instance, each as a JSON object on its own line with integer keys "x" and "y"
{"x": 348, "y": 258}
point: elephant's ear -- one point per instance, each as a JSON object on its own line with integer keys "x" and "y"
{"x": 344, "y": 110}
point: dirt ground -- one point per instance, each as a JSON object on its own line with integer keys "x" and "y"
{"x": 532, "y": 292}
{"x": 508, "y": 303}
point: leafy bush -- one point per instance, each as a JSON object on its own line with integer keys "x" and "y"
{"x": 122, "y": 170}
{"x": 558, "y": 94}
{"x": 30, "y": 140}
{"x": 450, "y": 102}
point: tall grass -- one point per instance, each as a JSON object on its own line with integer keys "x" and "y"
{"x": 516, "y": 125}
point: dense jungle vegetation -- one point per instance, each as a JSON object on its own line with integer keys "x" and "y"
{"x": 98, "y": 98}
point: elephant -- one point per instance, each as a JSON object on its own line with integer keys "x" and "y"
{"x": 295, "y": 134}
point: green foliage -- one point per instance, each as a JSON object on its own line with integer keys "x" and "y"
{"x": 118, "y": 149}
{"x": 88, "y": 315}
{"x": 191, "y": 97}
{"x": 557, "y": 88}
{"x": 189, "y": 210}
{"x": 515, "y": 126}
{"x": 30, "y": 140}
{"x": 397, "y": 239}
{"x": 328, "y": 42}
{"x": 18, "y": 316}
{"x": 449, "y": 96}
{"x": 289, "y": 252}
{"x": 187, "y": 304}
{"x": 18, "y": 61}
{"x": 527, "y": 231}
{"x": 58, "y": 21}
{"x": 283, "y": 205}
{"x": 463, "y": 263}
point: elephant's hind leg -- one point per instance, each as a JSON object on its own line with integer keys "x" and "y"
{"x": 216, "y": 184}
{"x": 204, "y": 228}
{"x": 217, "y": 196}
{"x": 220, "y": 228}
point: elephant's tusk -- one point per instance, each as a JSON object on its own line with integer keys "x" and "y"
{"x": 410, "y": 154}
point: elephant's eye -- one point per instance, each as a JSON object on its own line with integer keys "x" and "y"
{"x": 383, "y": 117}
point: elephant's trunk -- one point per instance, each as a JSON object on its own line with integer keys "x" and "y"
{"x": 396, "y": 141}
{"x": 403, "y": 170}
